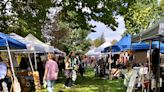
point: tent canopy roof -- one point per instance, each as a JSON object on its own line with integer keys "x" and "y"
{"x": 152, "y": 33}
{"x": 140, "y": 46}
{"x": 92, "y": 52}
{"x": 13, "y": 44}
{"x": 32, "y": 38}
{"x": 29, "y": 44}
{"x": 103, "y": 46}
{"x": 123, "y": 43}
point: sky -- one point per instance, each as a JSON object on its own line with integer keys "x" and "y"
{"x": 109, "y": 35}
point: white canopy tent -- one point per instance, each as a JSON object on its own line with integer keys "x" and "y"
{"x": 29, "y": 44}
{"x": 34, "y": 40}
{"x": 103, "y": 46}
{"x": 92, "y": 52}
{"x": 31, "y": 47}
{"x": 58, "y": 51}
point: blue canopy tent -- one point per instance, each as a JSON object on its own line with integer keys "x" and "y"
{"x": 140, "y": 46}
{"x": 125, "y": 42}
{"x": 159, "y": 45}
{"x": 162, "y": 48}
{"x": 8, "y": 43}
{"x": 6, "y": 40}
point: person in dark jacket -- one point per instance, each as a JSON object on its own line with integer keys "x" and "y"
{"x": 82, "y": 67}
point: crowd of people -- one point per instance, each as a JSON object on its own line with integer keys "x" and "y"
{"x": 71, "y": 65}
{"x": 49, "y": 68}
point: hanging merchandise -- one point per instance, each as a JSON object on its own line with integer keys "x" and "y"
{"x": 36, "y": 80}
{"x": 15, "y": 63}
{"x": 153, "y": 84}
{"x": 16, "y": 86}
{"x": 160, "y": 82}
{"x": 4, "y": 86}
{"x": 19, "y": 57}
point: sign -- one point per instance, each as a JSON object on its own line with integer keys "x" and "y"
{"x": 161, "y": 28}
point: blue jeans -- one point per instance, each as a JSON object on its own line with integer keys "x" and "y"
{"x": 50, "y": 85}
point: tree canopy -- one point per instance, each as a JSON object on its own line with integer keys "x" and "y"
{"x": 99, "y": 41}
{"x": 80, "y": 12}
{"x": 32, "y": 16}
{"x": 142, "y": 14}
{"x": 69, "y": 39}
{"x": 23, "y": 16}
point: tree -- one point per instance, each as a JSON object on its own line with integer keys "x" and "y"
{"x": 102, "y": 38}
{"x": 114, "y": 41}
{"x": 23, "y": 16}
{"x": 141, "y": 15}
{"x": 80, "y": 12}
{"x": 162, "y": 5}
{"x": 68, "y": 39}
{"x": 97, "y": 42}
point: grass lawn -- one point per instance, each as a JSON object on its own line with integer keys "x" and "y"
{"x": 90, "y": 83}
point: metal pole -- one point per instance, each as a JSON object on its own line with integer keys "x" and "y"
{"x": 35, "y": 61}
{"x": 110, "y": 58}
{"x": 32, "y": 68}
{"x": 158, "y": 79}
{"x": 11, "y": 62}
{"x": 149, "y": 59}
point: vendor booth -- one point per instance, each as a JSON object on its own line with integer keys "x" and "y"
{"x": 27, "y": 78}
{"x": 7, "y": 43}
{"x": 32, "y": 47}
{"x": 154, "y": 33}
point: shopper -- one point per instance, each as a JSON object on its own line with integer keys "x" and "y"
{"x": 130, "y": 77}
{"x": 70, "y": 70}
{"x": 82, "y": 66}
{"x": 51, "y": 72}
{"x": 3, "y": 72}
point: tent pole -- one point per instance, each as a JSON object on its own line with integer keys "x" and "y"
{"x": 15, "y": 80}
{"x": 110, "y": 58}
{"x": 158, "y": 79}
{"x": 35, "y": 61}
{"x": 150, "y": 47}
{"x": 11, "y": 62}
{"x": 30, "y": 62}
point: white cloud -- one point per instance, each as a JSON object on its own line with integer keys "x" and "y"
{"x": 108, "y": 33}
